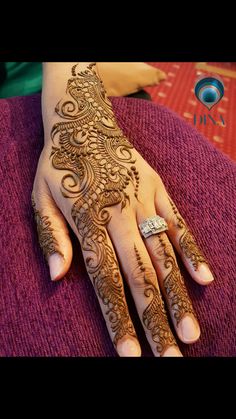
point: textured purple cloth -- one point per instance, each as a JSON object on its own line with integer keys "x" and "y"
{"x": 41, "y": 318}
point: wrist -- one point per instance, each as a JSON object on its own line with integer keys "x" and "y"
{"x": 55, "y": 89}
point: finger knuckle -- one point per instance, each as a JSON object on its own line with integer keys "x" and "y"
{"x": 171, "y": 219}
{"x": 160, "y": 249}
{"x": 138, "y": 274}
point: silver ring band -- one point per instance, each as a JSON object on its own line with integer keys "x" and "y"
{"x": 153, "y": 225}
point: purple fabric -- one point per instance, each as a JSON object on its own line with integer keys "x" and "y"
{"x": 41, "y": 318}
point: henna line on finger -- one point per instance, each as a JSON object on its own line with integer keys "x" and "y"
{"x": 154, "y": 316}
{"x": 91, "y": 147}
{"x": 47, "y": 240}
{"x": 178, "y": 298}
{"x": 187, "y": 242}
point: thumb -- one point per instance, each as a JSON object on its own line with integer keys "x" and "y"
{"x": 53, "y": 233}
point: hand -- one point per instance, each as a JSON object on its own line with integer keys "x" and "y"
{"x": 90, "y": 176}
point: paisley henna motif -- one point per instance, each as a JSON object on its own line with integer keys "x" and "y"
{"x": 99, "y": 166}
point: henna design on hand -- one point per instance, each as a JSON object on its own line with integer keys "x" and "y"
{"x": 154, "y": 316}
{"x": 100, "y": 165}
{"x": 47, "y": 241}
{"x": 174, "y": 286}
{"x": 187, "y": 242}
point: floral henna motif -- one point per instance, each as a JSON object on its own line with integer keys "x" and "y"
{"x": 100, "y": 165}
{"x": 174, "y": 286}
{"x": 47, "y": 241}
{"x": 154, "y": 316}
{"x": 187, "y": 241}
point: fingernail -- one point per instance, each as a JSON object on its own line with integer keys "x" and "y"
{"x": 204, "y": 273}
{"x": 56, "y": 265}
{"x": 172, "y": 351}
{"x": 189, "y": 328}
{"x": 129, "y": 347}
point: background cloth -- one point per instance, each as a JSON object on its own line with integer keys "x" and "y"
{"x": 20, "y": 78}
{"x": 177, "y": 94}
{"x": 42, "y": 318}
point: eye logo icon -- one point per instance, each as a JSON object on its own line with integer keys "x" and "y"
{"x": 209, "y": 91}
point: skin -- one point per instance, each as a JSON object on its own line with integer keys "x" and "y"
{"x": 90, "y": 176}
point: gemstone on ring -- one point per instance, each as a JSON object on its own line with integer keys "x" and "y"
{"x": 153, "y": 225}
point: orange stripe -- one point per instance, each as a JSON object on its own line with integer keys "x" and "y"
{"x": 216, "y": 70}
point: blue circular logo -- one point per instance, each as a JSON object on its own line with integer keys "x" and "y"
{"x": 209, "y": 91}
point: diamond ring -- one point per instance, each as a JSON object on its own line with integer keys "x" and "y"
{"x": 153, "y": 225}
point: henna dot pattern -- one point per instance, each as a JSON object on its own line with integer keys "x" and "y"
{"x": 90, "y": 147}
